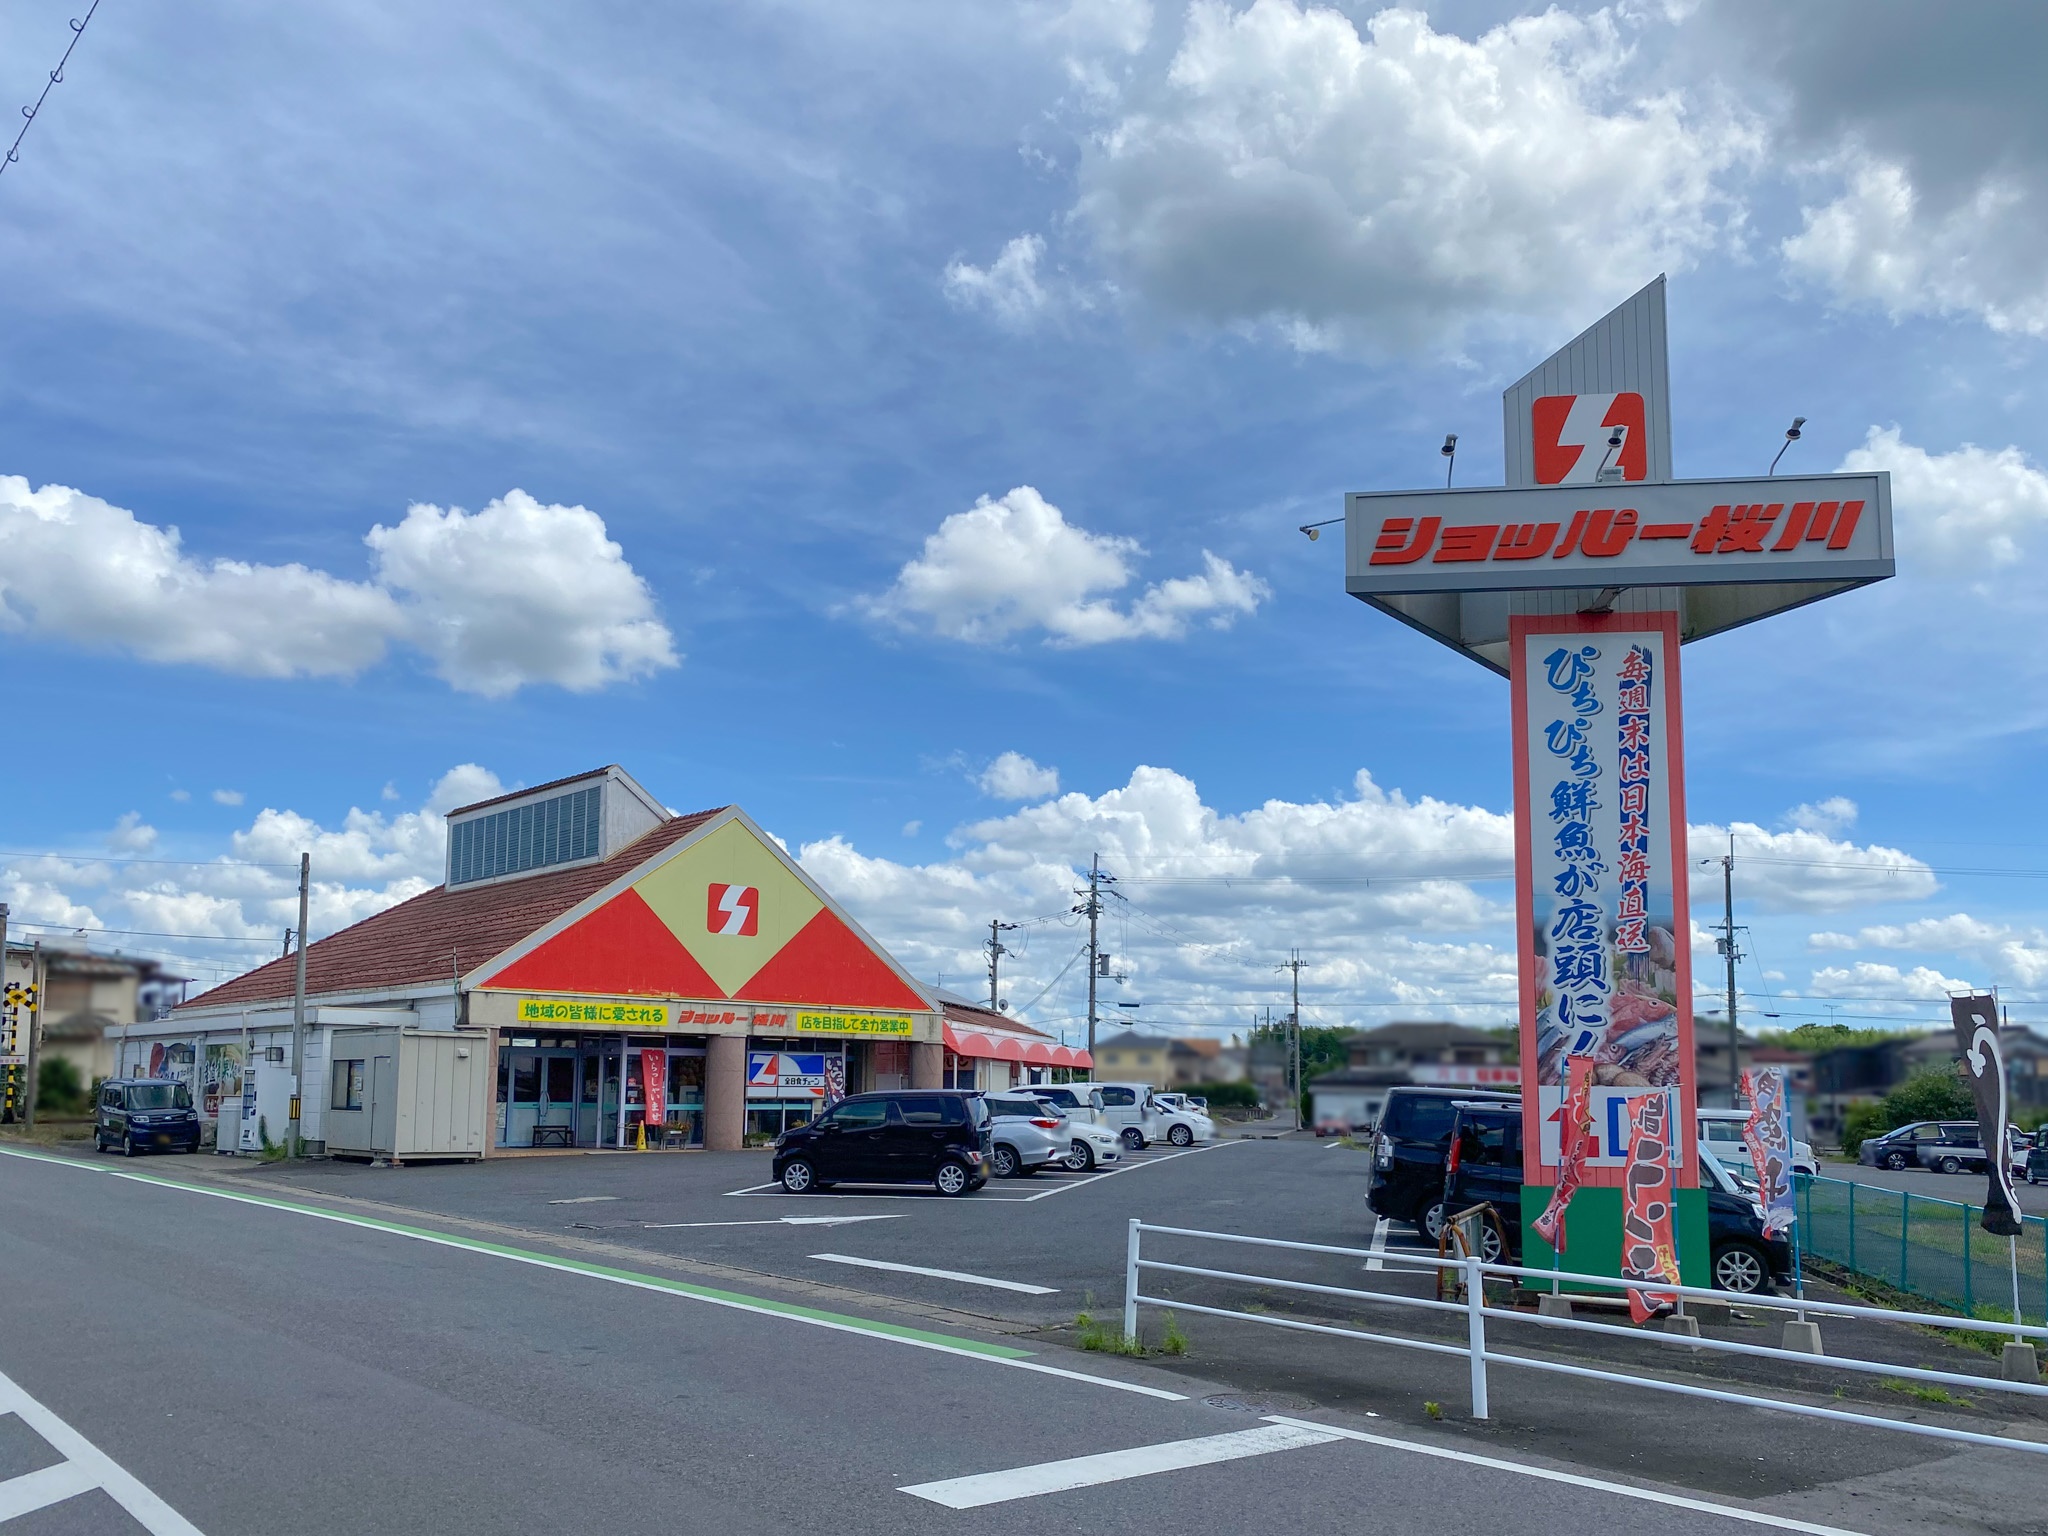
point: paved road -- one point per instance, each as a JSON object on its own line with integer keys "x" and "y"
{"x": 269, "y": 1369}
{"x": 1964, "y": 1188}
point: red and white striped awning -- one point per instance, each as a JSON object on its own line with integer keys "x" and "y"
{"x": 996, "y": 1047}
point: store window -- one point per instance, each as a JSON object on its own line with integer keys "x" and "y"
{"x": 960, "y": 1072}
{"x": 348, "y": 1086}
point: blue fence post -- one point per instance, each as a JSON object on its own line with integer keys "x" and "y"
{"x": 1969, "y": 1275}
{"x": 1852, "y": 1224}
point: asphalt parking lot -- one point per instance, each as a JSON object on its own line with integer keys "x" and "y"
{"x": 1963, "y": 1188}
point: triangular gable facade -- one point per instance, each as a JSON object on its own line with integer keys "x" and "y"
{"x": 724, "y": 914}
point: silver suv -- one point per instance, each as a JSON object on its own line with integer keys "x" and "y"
{"x": 1027, "y": 1136}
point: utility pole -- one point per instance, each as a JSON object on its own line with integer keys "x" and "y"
{"x": 1094, "y": 954}
{"x": 5, "y": 1072}
{"x": 299, "y": 1011}
{"x": 1295, "y": 964}
{"x": 996, "y": 951}
{"x": 38, "y": 968}
{"x": 287, "y": 954}
{"x": 1732, "y": 954}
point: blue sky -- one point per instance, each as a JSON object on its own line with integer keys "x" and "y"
{"x": 772, "y": 292}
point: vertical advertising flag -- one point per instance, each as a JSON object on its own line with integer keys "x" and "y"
{"x": 653, "y": 1088}
{"x": 1649, "y": 1241}
{"x": 1576, "y": 1133}
{"x": 1768, "y": 1135}
{"x": 1976, "y": 1021}
{"x": 1603, "y": 951}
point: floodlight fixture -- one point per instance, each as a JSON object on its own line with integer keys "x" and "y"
{"x": 1791, "y": 437}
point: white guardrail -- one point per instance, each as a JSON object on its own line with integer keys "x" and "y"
{"x": 1477, "y": 1314}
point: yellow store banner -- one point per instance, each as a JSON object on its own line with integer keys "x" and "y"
{"x": 897, "y": 1024}
{"x": 549, "y": 1010}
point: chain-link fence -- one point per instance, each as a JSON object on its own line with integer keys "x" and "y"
{"x": 1927, "y": 1247}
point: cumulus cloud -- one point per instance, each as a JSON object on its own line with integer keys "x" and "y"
{"x": 1881, "y": 983}
{"x": 1008, "y": 288}
{"x": 1006, "y": 567}
{"x": 368, "y": 862}
{"x": 1013, "y": 776}
{"x": 1837, "y": 813}
{"x": 1807, "y": 869}
{"x": 1962, "y": 508}
{"x": 517, "y": 594}
{"x": 1924, "y": 134}
{"x": 2014, "y": 954}
{"x": 1397, "y": 183}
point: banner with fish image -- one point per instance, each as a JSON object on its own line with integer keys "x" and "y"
{"x": 1768, "y": 1135}
{"x": 1604, "y": 956}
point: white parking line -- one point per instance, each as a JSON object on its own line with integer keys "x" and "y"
{"x": 84, "y": 1467}
{"x": 940, "y": 1274}
{"x": 1379, "y": 1242}
{"x": 771, "y": 1221}
{"x": 1110, "y": 1173}
{"x": 1115, "y": 1466}
{"x": 1572, "y": 1479}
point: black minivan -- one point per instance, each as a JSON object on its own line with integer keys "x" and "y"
{"x": 140, "y": 1114}
{"x": 913, "y": 1136}
{"x": 1408, "y": 1152}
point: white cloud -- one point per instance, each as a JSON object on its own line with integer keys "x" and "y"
{"x": 227, "y": 797}
{"x": 517, "y": 594}
{"x": 1961, "y": 509}
{"x": 1008, "y": 288}
{"x": 1878, "y": 243}
{"x": 912, "y": 828}
{"x": 181, "y": 795}
{"x": 1013, "y": 776}
{"x": 1835, "y": 814}
{"x": 1005, "y": 567}
{"x": 1807, "y": 869}
{"x": 368, "y": 862}
{"x": 1398, "y": 184}
{"x": 2015, "y": 954}
{"x": 1883, "y": 984}
{"x": 391, "y": 790}
{"x": 131, "y": 835}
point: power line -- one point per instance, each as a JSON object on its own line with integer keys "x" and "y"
{"x": 154, "y": 933}
{"x": 56, "y": 78}
{"x": 122, "y": 858}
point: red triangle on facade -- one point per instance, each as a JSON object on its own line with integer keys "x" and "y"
{"x": 827, "y": 965}
{"x": 620, "y": 949}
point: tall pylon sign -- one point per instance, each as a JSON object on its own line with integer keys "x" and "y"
{"x": 1579, "y": 580}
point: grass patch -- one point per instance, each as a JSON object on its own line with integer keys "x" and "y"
{"x": 1099, "y": 1338}
{"x": 1878, "y": 1294}
{"x": 1434, "y": 1410}
{"x": 1926, "y": 1392}
{"x": 1172, "y": 1341}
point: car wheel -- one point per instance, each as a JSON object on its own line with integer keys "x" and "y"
{"x": 952, "y": 1178}
{"x": 799, "y": 1177}
{"x": 1080, "y": 1158}
{"x": 1005, "y": 1161}
{"x": 1490, "y": 1245}
{"x": 1133, "y": 1139}
{"x": 1740, "y": 1268}
{"x": 1181, "y": 1136}
{"x": 1430, "y": 1220}
{"x": 1950, "y": 1165}
{"x": 1895, "y": 1161}
{"x": 99, "y": 1142}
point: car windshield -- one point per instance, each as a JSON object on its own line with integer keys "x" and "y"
{"x": 159, "y": 1096}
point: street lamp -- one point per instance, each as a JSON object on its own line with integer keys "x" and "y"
{"x": 1791, "y": 437}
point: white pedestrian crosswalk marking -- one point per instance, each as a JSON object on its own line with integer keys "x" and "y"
{"x": 1116, "y": 1466}
{"x": 85, "y": 1467}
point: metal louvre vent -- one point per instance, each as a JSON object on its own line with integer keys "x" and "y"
{"x": 509, "y": 842}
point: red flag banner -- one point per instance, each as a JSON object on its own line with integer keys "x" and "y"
{"x": 1649, "y": 1245}
{"x": 1576, "y": 1142}
{"x": 653, "y": 1088}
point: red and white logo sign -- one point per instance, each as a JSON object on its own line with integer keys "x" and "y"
{"x": 1574, "y": 439}
{"x": 733, "y": 910}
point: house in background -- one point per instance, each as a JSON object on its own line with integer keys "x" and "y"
{"x": 89, "y": 998}
{"x": 1405, "y": 1053}
{"x": 1199, "y": 1060}
{"x": 1130, "y": 1057}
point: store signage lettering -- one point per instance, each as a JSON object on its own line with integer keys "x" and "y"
{"x": 1572, "y": 438}
{"x": 1729, "y": 528}
{"x": 537, "y": 1010}
{"x": 896, "y": 1024}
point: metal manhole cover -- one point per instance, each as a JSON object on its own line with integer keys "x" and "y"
{"x": 1252, "y": 1402}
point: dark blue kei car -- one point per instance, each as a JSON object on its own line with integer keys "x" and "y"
{"x": 145, "y": 1114}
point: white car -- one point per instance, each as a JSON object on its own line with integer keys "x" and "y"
{"x": 1170, "y": 1118}
{"x": 1136, "y": 1112}
{"x": 1090, "y": 1143}
{"x": 1721, "y": 1129}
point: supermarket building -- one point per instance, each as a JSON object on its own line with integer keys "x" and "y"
{"x": 593, "y": 972}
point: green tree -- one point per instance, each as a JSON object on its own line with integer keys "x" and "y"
{"x": 1932, "y": 1093}
{"x": 58, "y": 1090}
{"x": 1324, "y": 1048}
{"x": 1865, "y": 1119}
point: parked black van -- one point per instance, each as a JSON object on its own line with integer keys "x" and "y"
{"x": 145, "y": 1114}
{"x": 1409, "y": 1149}
{"x": 911, "y": 1136}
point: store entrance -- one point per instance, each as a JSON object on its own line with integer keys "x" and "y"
{"x": 536, "y": 1089}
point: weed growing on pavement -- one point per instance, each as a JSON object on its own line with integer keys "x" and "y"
{"x": 1434, "y": 1410}
{"x": 1097, "y": 1337}
{"x": 1172, "y": 1341}
{"x": 1926, "y": 1392}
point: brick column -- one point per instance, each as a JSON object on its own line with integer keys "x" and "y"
{"x": 927, "y": 1064}
{"x": 725, "y": 1092}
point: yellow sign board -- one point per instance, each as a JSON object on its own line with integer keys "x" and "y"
{"x": 853, "y": 1024}
{"x": 549, "y": 1010}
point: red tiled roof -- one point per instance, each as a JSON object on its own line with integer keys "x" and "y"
{"x": 428, "y": 938}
